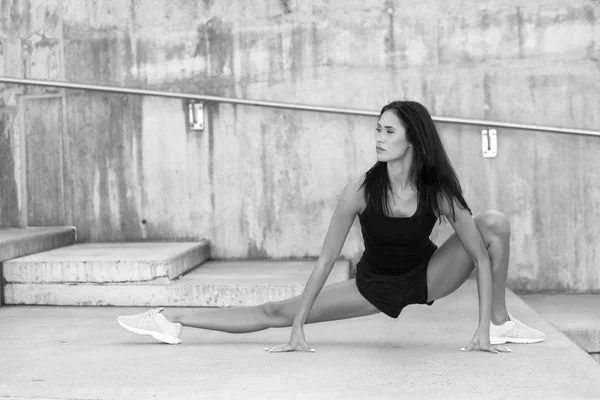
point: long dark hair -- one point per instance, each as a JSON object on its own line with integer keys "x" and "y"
{"x": 431, "y": 172}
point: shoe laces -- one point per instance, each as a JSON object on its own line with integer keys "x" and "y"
{"x": 148, "y": 316}
{"x": 518, "y": 324}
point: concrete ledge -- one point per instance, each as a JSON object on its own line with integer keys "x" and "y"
{"x": 108, "y": 262}
{"x": 19, "y": 242}
{"x": 214, "y": 284}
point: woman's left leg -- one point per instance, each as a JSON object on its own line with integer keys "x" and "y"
{"x": 450, "y": 265}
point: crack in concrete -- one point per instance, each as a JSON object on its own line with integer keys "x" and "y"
{"x": 157, "y": 278}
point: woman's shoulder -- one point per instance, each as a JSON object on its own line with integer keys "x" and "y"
{"x": 354, "y": 191}
{"x": 355, "y": 185}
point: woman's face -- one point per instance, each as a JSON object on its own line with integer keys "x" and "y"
{"x": 390, "y": 137}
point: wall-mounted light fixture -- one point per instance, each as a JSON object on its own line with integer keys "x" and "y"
{"x": 196, "y": 115}
{"x": 489, "y": 143}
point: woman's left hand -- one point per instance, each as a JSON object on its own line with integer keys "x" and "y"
{"x": 481, "y": 342}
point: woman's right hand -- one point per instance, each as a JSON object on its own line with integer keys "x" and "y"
{"x": 297, "y": 343}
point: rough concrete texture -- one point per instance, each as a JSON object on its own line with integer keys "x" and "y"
{"x": 527, "y": 61}
{"x": 19, "y": 242}
{"x": 45, "y": 184}
{"x": 82, "y": 353}
{"x": 9, "y": 197}
{"x": 575, "y": 315}
{"x": 149, "y": 262}
{"x": 213, "y": 284}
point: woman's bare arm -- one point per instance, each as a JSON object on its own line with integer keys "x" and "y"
{"x": 471, "y": 239}
{"x": 348, "y": 206}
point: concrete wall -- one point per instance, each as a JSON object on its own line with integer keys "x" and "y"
{"x": 263, "y": 182}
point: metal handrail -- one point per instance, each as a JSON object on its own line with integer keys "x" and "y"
{"x": 290, "y": 106}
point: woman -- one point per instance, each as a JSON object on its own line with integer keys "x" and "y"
{"x": 398, "y": 201}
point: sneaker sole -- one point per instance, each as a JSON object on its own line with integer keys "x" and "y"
{"x": 497, "y": 340}
{"x": 158, "y": 336}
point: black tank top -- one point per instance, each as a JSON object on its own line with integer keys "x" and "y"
{"x": 396, "y": 245}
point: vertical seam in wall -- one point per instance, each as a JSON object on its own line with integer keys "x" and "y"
{"x": 61, "y": 52}
{"x": 24, "y": 218}
{"x": 1, "y": 284}
{"x": 23, "y": 161}
{"x": 211, "y": 159}
{"x": 62, "y": 158}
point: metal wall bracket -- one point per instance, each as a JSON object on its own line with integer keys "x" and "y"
{"x": 196, "y": 116}
{"x": 489, "y": 143}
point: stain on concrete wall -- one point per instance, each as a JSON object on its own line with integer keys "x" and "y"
{"x": 264, "y": 182}
{"x": 33, "y": 30}
{"x": 261, "y": 196}
{"x": 43, "y": 133}
{"x": 175, "y": 173}
{"x": 9, "y": 205}
{"x": 103, "y": 166}
{"x": 30, "y": 48}
{"x": 94, "y": 59}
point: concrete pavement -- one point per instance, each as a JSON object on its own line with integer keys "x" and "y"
{"x": 575, "y": 315}
{"x": 82, "y": 353}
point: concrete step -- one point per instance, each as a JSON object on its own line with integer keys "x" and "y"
{"x": 575, "y": 315}
{"x": 213, "y": 284}
{"x": 18, "y": 242}
{"x": 102, "y": 263}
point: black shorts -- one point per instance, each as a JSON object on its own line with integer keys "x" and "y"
{"x": 391, "y": 293}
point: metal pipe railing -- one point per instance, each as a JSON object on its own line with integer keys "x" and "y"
{"x": 289, "y": 106}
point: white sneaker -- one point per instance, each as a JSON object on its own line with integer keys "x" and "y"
{"x": 514, "y": 331}
{"x": 152, "y": 323}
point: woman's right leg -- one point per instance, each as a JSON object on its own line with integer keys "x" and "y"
{"x": 337, "y": 301}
